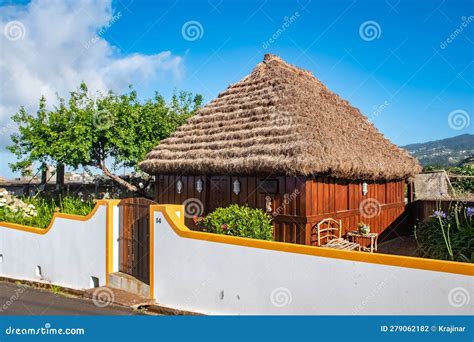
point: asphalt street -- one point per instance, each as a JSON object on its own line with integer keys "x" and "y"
{"x": 17, "y": 299}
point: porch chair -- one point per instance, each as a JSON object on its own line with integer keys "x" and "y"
{"x": 329, "y": 230}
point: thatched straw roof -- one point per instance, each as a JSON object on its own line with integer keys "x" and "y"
{"x": 280, "y": 119}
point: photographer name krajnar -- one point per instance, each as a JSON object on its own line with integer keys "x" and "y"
{"x": 422, "y": 328}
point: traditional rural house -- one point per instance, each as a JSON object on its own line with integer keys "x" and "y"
{"x": 281, "y": 141}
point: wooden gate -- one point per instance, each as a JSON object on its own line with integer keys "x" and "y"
{"x": 134, "y": 245}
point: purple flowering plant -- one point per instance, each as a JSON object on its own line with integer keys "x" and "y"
{"x": 449, "y": 234}
{"x": 439, "y": 214}
{"x": 470, "y": 212}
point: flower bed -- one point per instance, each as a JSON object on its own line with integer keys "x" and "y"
{"x": 38, "y": 211}
{"x": 448, "y": 235}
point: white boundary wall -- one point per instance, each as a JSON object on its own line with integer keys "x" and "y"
{"x": 116, "y": 239}
{"x": 219, "y": 278}
{"x": 69, "y": 254}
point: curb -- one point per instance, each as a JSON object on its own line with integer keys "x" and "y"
{"x": 164, "y": 310}
{"x": 44, "y": 286}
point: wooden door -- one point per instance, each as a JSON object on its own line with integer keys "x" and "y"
{"x": 134, "y": 245}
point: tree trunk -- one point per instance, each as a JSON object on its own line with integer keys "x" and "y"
{"x": 118, "y": 180}
{"x": 44, "y": 177}
{"x": 60, "y": 175}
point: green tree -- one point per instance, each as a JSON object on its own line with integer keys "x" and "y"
{"x": 92, "y": 130}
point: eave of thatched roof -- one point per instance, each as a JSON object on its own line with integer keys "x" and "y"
{"x": 280, "y": 120}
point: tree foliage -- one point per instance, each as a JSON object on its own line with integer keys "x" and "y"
{"x": 89, "y": 130}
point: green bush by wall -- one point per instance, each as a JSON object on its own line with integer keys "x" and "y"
{"x": 240, "y": 221}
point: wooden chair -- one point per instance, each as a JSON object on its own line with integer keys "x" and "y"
{"x": 329, "y": 235}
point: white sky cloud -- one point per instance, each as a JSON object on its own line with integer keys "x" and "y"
{"x": 50, "y": 46}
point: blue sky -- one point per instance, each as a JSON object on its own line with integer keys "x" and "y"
{"x": 406, "y": 78}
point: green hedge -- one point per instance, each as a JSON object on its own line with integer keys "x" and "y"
{"x": 240, "y": 221}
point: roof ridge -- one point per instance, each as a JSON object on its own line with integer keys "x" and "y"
{"x": 268, "y": 58}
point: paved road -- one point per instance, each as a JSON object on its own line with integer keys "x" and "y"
{"x": 18, "y": 300}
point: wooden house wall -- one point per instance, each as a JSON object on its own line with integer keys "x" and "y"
{"x": 298, "y": 202}
{"x": 340, "y": 199}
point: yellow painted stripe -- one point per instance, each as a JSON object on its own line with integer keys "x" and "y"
{"x": 109, "y": 239}
{"x": 152, "y": 254}
{"x": 178, "y": 226}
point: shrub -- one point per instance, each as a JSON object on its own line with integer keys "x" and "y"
{"x": 38, "y": 211}
{"x": 12, "y": 206}
{"x": 240, "y": 221}
{"x": 448, "y": 236}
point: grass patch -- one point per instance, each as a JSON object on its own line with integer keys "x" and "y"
{"x": 55, "y": 289}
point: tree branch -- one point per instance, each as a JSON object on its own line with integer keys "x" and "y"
{"x": 117, "y": 179}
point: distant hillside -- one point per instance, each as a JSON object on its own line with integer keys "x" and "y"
{"x": 445, "y": 152}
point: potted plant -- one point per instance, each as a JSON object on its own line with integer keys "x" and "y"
{"x": 363, "y": 228}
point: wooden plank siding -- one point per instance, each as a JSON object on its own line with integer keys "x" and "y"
{"x": 298, "y": 203}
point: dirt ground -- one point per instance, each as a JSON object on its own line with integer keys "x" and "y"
{"x": 403, "y": 245}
